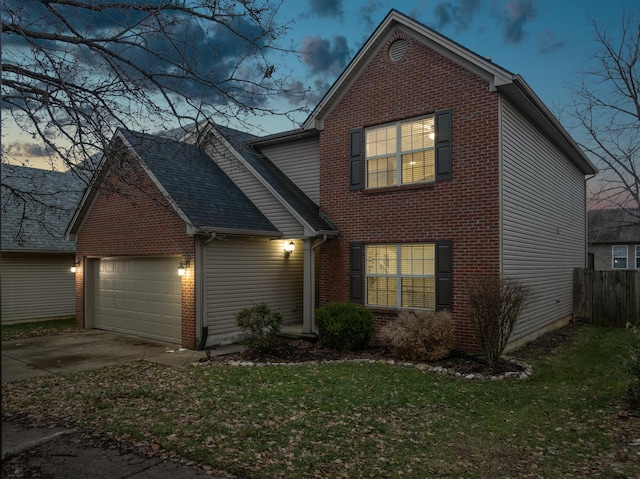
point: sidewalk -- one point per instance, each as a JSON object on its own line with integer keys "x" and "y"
{"x": 59, "y": 453}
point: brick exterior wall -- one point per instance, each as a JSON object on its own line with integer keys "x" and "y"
{"x": 464, "y": 209}
{"x": 130, "y": 217}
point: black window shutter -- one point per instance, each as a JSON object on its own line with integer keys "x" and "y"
{"x": 355, "y": 158}
{"x": 444, "y": 163}
{"x": 356, "y": 273}
{"x": 444, "y": 275}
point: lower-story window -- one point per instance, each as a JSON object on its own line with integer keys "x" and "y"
{"x": 619, "y": 254}
{"x": 401, "y": 275}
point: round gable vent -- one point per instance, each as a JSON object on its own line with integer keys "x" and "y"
{"x": 398, "y": 49}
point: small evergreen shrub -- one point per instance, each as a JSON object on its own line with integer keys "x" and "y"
{"x": 420, "y": 335}
{"x": 263, "y": 325}
{"x": 494, "y": 307}
{"x": 344, "y": 326}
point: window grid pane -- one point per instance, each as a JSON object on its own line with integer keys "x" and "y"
{"x": 381, "y": 291}
{"x": 385, "y": 166}
{"x": 418, "y": 293}
{"x": 401, "y": 275}
{"x": 637, "y": 256}
{"x": 381, "y": 172}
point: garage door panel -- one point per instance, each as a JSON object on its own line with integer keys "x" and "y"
{"x": 140, "y": 296}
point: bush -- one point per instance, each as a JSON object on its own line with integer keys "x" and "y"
{"x": 420, "y": 335}
{"x": 494, "y": 307}
{"x": 262, "y": 324}
{"x": 344, "y": 326}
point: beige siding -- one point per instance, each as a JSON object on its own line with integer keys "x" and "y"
{"x": 138, "y": 296}
{"x": 543, "y": 220}
{"x": 37, "y": 287}
{"x": 256, "y": 192}
{"x": 240, "y": 272}
{"x": 300, "y": 161}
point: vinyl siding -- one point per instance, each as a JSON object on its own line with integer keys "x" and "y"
{"x": 241, "y": 272}
{"x": 37, "y": 287}
{"x": 543, "y": 220}
{"x": 256, "y": 192}
{"x": 300, "y": 161}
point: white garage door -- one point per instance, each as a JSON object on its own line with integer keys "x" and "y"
{"x": 139, "y": 296}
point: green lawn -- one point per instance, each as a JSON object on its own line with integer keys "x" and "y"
{"x": 363, "y": 420}
{"x": 37, "y": 328}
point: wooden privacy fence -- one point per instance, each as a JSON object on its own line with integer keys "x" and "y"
{"x": 607, "y": 298}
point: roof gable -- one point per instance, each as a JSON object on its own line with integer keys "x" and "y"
{"x": 291, "y": 196}
{"x": 200, "y": 192}
{"x": 614, "y": 226}
{"x": 513, "y": 86}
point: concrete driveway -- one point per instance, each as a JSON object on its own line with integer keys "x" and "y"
{"x": 78, "y": 351}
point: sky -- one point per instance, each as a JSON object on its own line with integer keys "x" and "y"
{"x": 547, "y": 42}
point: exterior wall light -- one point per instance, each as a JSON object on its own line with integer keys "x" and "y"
{"x": 74, "y": 268}
{"x": 288, "y": 248}
{"x": 182, "y": 269}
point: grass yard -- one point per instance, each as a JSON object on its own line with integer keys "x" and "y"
{"x": 37, "y": 328}
{"x": 363, "y": 420}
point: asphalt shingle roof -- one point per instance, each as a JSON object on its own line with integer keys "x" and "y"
{"x": 280, "y": 182}
{"x": 613, "y": 226}
{"x": 36, "y": 208}
{"x": 204, "y": 193}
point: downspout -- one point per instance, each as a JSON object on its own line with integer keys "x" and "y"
{"x": 202, "y": 344}
{"x": 313, "y": 284}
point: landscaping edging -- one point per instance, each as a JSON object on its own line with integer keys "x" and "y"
{"x": 520, "y": 375}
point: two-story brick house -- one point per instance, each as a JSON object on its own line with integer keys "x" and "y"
{"x": 424, "y": 168}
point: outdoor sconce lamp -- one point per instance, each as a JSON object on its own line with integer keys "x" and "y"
{"x": 288, "y": 249}
{"x": 183, "y": 267}
{"x": 74, "y": 268}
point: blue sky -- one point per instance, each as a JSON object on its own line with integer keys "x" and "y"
{"x": 547, "y": 42}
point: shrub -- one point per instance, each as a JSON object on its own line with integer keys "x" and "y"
{"x": 494, "y": 307}
{"x": 344, "y": 326}
{"x": 263, "y": 325}
{"x": 420, "y": 335}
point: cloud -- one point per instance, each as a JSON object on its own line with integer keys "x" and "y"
{"x": 514, "y": 17}
{"x": 26, "y": 150}
{"x": 367, "y": 11}
{"x": 457, "y": 14}
{"x": 547, "y": 42}
{"x": 326, "y": 8}
{"x": 325, "y": 57}
{"x": 176, "y": 50}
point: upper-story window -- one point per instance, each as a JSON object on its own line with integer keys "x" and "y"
{"x": 637, "y": 256}
{"x": 619, "y": 256}
{"x": 400, "y": 153}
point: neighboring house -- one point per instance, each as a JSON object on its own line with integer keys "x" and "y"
{"x": 614, "y": 239}
{"x": 424, "y": 168}
{"x": 37, "y": 282}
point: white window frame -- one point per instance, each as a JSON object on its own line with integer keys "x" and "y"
{"x": 398, "y": 275}
{"x": 616, "y": 253}
{"x": 399, "y": 153}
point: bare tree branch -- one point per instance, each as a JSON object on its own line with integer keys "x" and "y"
{"x": 606, "y": 113}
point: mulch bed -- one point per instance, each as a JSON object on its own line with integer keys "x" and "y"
{"x": 288, "y": 350}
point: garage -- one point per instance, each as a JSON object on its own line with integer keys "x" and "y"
{"x": 138, "y": 296}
